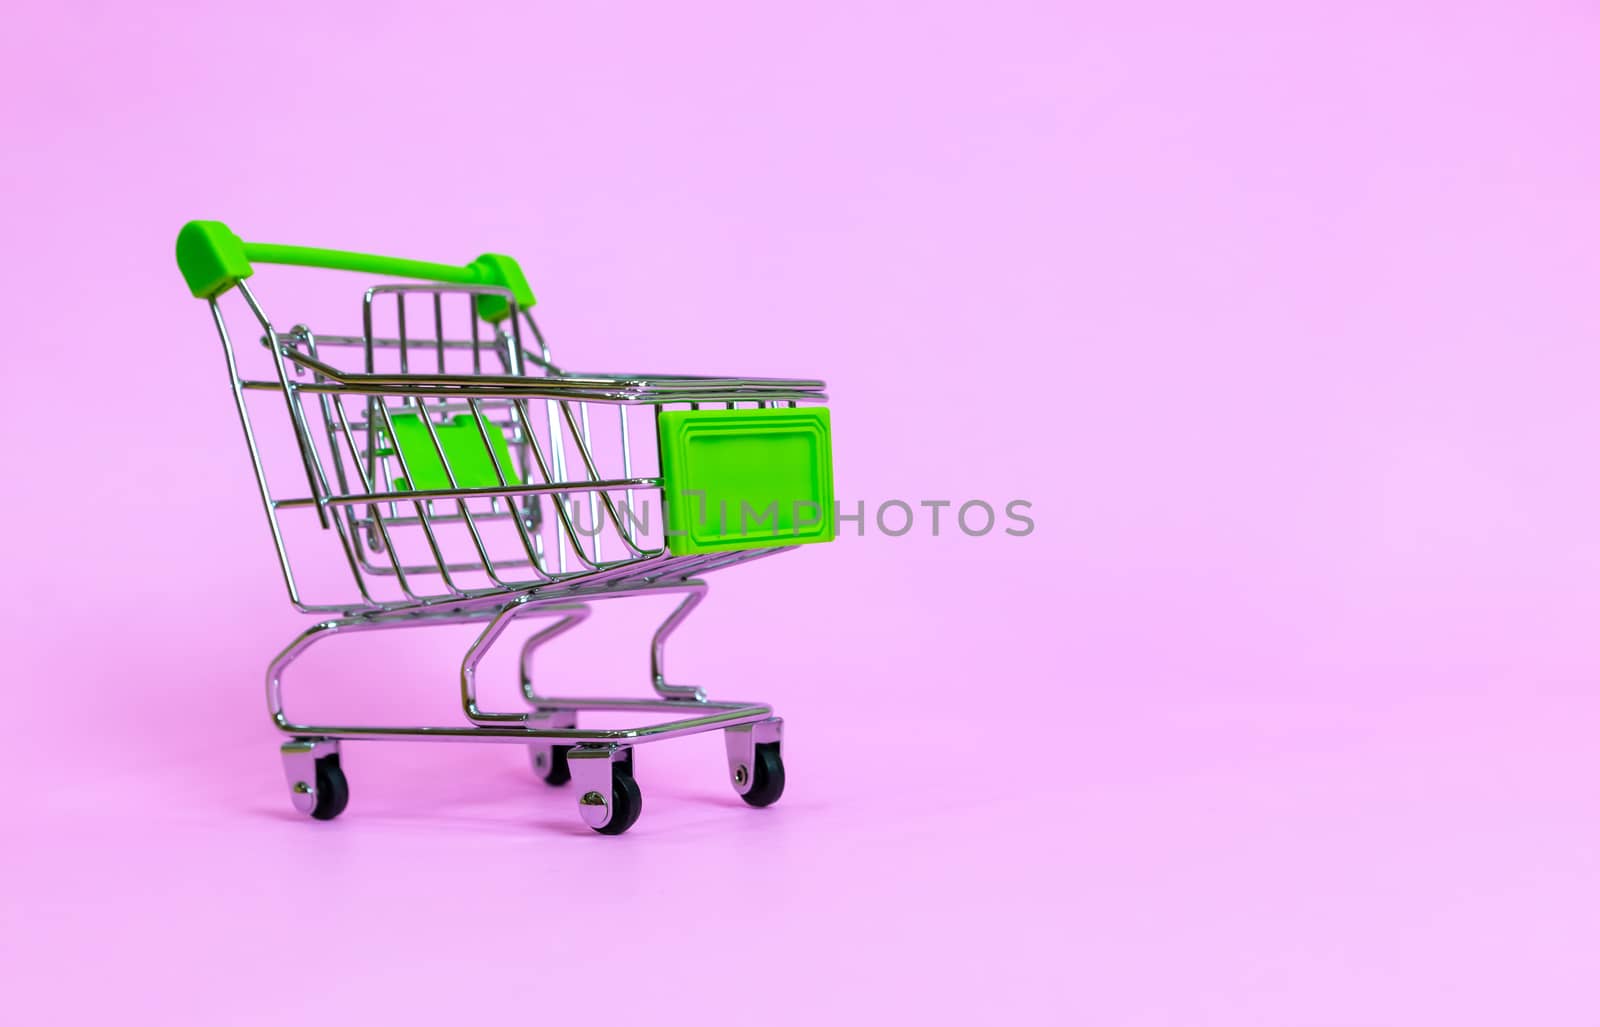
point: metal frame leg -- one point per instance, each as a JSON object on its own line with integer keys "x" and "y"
{"x": 571, "y": 616}
{"x": 506, "y": 727}
{"x": 658, "y": 648}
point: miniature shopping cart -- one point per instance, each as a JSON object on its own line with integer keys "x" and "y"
{"x": 446, "y": 471}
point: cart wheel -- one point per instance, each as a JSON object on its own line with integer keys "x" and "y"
{"x": 627, "y": 802}
{"x": 556, "y": 770}
{"x": 766, "y": 785}
{"x": 333, "y": 791}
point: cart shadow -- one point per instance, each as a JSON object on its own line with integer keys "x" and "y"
{"x": 545, "y": 823}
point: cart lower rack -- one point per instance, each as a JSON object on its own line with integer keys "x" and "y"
{"x": 447, "y": 471}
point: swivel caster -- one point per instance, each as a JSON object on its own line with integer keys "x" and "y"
{"x": 317, "y": 784}
{"x": 550, "y": 760}
{"x": 550, "y": 763}
{"x": 755, "y": 760}
{"x": 766, "y": 776}
{"x": 609, "y": 799}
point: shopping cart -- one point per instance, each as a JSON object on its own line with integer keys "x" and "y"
{"x": 451, "y": 473}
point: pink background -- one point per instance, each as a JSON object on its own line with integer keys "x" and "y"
{"x": 1285, "y": 321}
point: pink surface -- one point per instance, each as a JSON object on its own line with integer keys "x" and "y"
{"x": 1284, "y": 321}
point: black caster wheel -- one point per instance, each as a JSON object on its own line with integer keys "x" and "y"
{"x": 333, "y": 791}
{"x": 627, "y": 802}
{"x": 766, "y": 773}
{"x": 556, "y": 770}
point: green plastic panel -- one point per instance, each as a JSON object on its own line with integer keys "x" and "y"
{"x": 463, "y": 447}
{"x": 746, "y": 479}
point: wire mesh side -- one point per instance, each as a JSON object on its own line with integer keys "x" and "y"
{"x": 569, "y": 498}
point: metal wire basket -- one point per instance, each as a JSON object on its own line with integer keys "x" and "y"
{"x": 466, "y": 478}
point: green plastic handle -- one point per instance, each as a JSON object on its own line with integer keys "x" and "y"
{"x": 214, "y": 260}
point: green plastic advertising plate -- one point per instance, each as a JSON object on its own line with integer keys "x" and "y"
{"x": 746, "y": 479}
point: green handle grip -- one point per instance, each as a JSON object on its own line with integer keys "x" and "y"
{"x": 214, "y": 260}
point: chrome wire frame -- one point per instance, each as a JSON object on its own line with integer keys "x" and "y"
{"x": 688, "y": 707}
{"x": 353, "y": 490}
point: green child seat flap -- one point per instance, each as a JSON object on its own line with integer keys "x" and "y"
{"x": 462, "y": 442}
